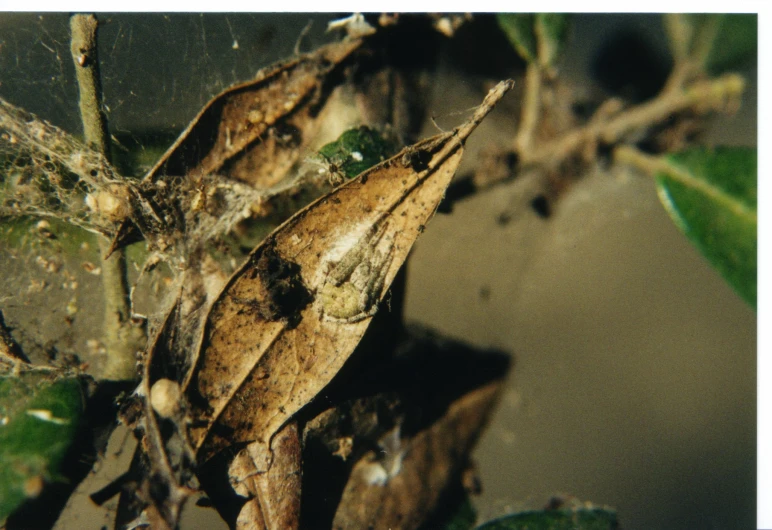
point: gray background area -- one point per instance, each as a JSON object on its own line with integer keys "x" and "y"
{"x": 634, "y": 380}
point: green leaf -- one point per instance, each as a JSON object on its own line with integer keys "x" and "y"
{"x": 561, "y": 519}
{"x": 735, "y": 43}
{"x": 719, "y": 42}
{"x": 550, "y": 32}
{"x": 357, "y": 150}
{"x": 536, "y": 38}
{"x": 38, "y": 421}
{"x": 711, "y": 196}
{"x": 519, "y": 30}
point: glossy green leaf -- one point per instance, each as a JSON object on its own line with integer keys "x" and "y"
{"x": 561, "y": 519}
{"x": 519, "y": 30}
{"x": 711, "y": 196}
{"x": 357, "y": 150}
{"x": 38, "y": 421}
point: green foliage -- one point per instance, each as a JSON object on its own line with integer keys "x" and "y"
{"x": 536, "y": 37}
{"x": 551, "y": 32}
{"x": 519, "y": 30}
{"x": 718, "y": 42}
{"x": 711, "y": 196}
{"x": 38, "y": 421}
{"x": 562, "y": 519}
{"x": 357, "y": 150}
{"x": 734, "y": 44}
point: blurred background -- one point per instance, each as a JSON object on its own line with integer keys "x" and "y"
{"x": 634, "y": 382}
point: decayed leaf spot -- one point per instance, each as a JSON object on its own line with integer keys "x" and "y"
{"x": 281, "y": 292}
{"x": 261, "y": 361}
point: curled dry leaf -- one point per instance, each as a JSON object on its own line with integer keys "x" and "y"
{"x": 252, "y": 132}
{"x": 392, "y": 436}
{"x": 401, "y": 489}
{"x": 241, "y": 132}
{"x": 164, "y": 458}
{"x": 290, "y": 317}
{"x": 273, "y": 497}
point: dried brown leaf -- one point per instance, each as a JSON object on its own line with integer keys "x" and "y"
{"x": 252, "y": 132}
{"x": 388, "y": 418}
{"x": 243, "y": 132}
{"x": 274, "y": 502}
{"x": 163, "y": 460}
{"x": 400, "y": 490}
{"x": 289, "y": 318}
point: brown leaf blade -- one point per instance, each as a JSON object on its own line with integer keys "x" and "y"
{"x": 402, "y": 489}
{"x": 403, "y": 425}
{"x": 240, "y": 132}
{"x": 274, "y": 497}
{"x": 252, "y": 132}
{"x": 290, "y": 317}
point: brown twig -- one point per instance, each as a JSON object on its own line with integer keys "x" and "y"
{"x": 610, "y": 124}
{"x": 530, "y": 109}
{"x": 703, "y": 97}
{"x": 122, "y": 338}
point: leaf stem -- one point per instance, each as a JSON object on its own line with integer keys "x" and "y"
{"x": 654, "y": 166}
{"x": 122, "y": 338}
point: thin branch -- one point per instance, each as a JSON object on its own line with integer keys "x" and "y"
{"x": 680, "y": 31}
{"x": 691, "y": 40}
{"x": 122, "y": 338}
{"x": 702, "y": 97}
{"x": 531, "y": 107}
{"x": 84, "y": 53}
{"x": 683, "y": 71}
{"x": 609, "y": 124}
